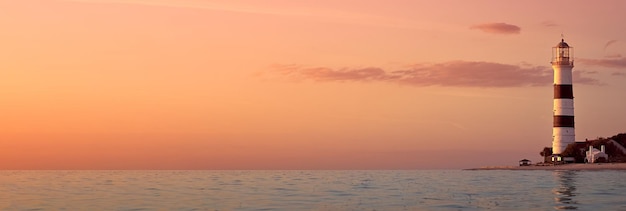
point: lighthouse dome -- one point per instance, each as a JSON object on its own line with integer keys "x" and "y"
{"x": 562, "y": 44}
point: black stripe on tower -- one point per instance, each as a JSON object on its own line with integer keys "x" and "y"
{"x": 563, "y": 91}
{"x": 563, "y": 121}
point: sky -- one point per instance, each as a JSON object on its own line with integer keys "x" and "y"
{"x": 282, "y": 84}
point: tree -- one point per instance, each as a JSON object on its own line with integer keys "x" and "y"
{"x": 546, "y": 152}
{"x": 576, "y": 151}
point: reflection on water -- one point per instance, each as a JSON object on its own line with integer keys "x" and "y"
{"x": 565, "y": 191}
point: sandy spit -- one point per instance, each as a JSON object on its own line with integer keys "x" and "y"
{"x": 575, "y": 166}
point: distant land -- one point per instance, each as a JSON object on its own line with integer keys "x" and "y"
{"x": 569, "y": 166}
{"x": 615, "y": 147}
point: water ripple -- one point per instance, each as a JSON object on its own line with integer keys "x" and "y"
{"x": 311, "y": 190}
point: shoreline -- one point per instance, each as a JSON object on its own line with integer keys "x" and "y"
{"x": 573, "y": 167}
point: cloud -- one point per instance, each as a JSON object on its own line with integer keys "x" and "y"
{"x": 589, "y": 72}
{"x": 497, "y": 28}
{"x": 475, "y": 74}
{"x": 328, "y": 74}
{"x": 609, "y": 43}
{"x": 446, "y": 74}
{"x": 618, "y": 62}
{"x": 549, "y": 24}
{"x": 615, "y": 55}
{"x": 579, "y": 78}
{"x": 619, "y": 74}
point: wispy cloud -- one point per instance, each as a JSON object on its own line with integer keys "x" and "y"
{"x": 474, "y": 74}
{"x": 618, "y": 62}
{"x": 328, "y": 74}
{"x": 618, "y": 74}
{"x": 448, "y": 74}
{"x": 549, "y": 24}
{"x": 613, "y": 56}
{"x": 579, "y": 78}
{"x": 497, "y": 28}
{"x": 609, "y": 43}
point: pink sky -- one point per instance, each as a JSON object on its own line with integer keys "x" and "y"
{"x": 279, "y": 84}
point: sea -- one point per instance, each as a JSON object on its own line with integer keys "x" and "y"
{"x": 313, "y": 190}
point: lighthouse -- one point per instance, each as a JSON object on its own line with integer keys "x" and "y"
{"x": 563, "y": 110}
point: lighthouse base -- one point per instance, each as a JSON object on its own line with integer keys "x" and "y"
{"x": 561, "y": 137}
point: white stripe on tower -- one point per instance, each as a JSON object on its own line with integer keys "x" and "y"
{"x": 563, "y": 126}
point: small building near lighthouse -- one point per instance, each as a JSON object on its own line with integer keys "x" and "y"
{"x": 596, "y": 156}
{"x": 525, "y": 162}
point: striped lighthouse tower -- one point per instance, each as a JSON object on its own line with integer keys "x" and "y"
{"x": 563, "y": 111}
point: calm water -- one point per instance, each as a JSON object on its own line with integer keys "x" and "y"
{"x": 312, "y": 190}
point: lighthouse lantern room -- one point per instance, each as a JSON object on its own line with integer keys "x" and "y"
{"x": 561, "y": 54}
